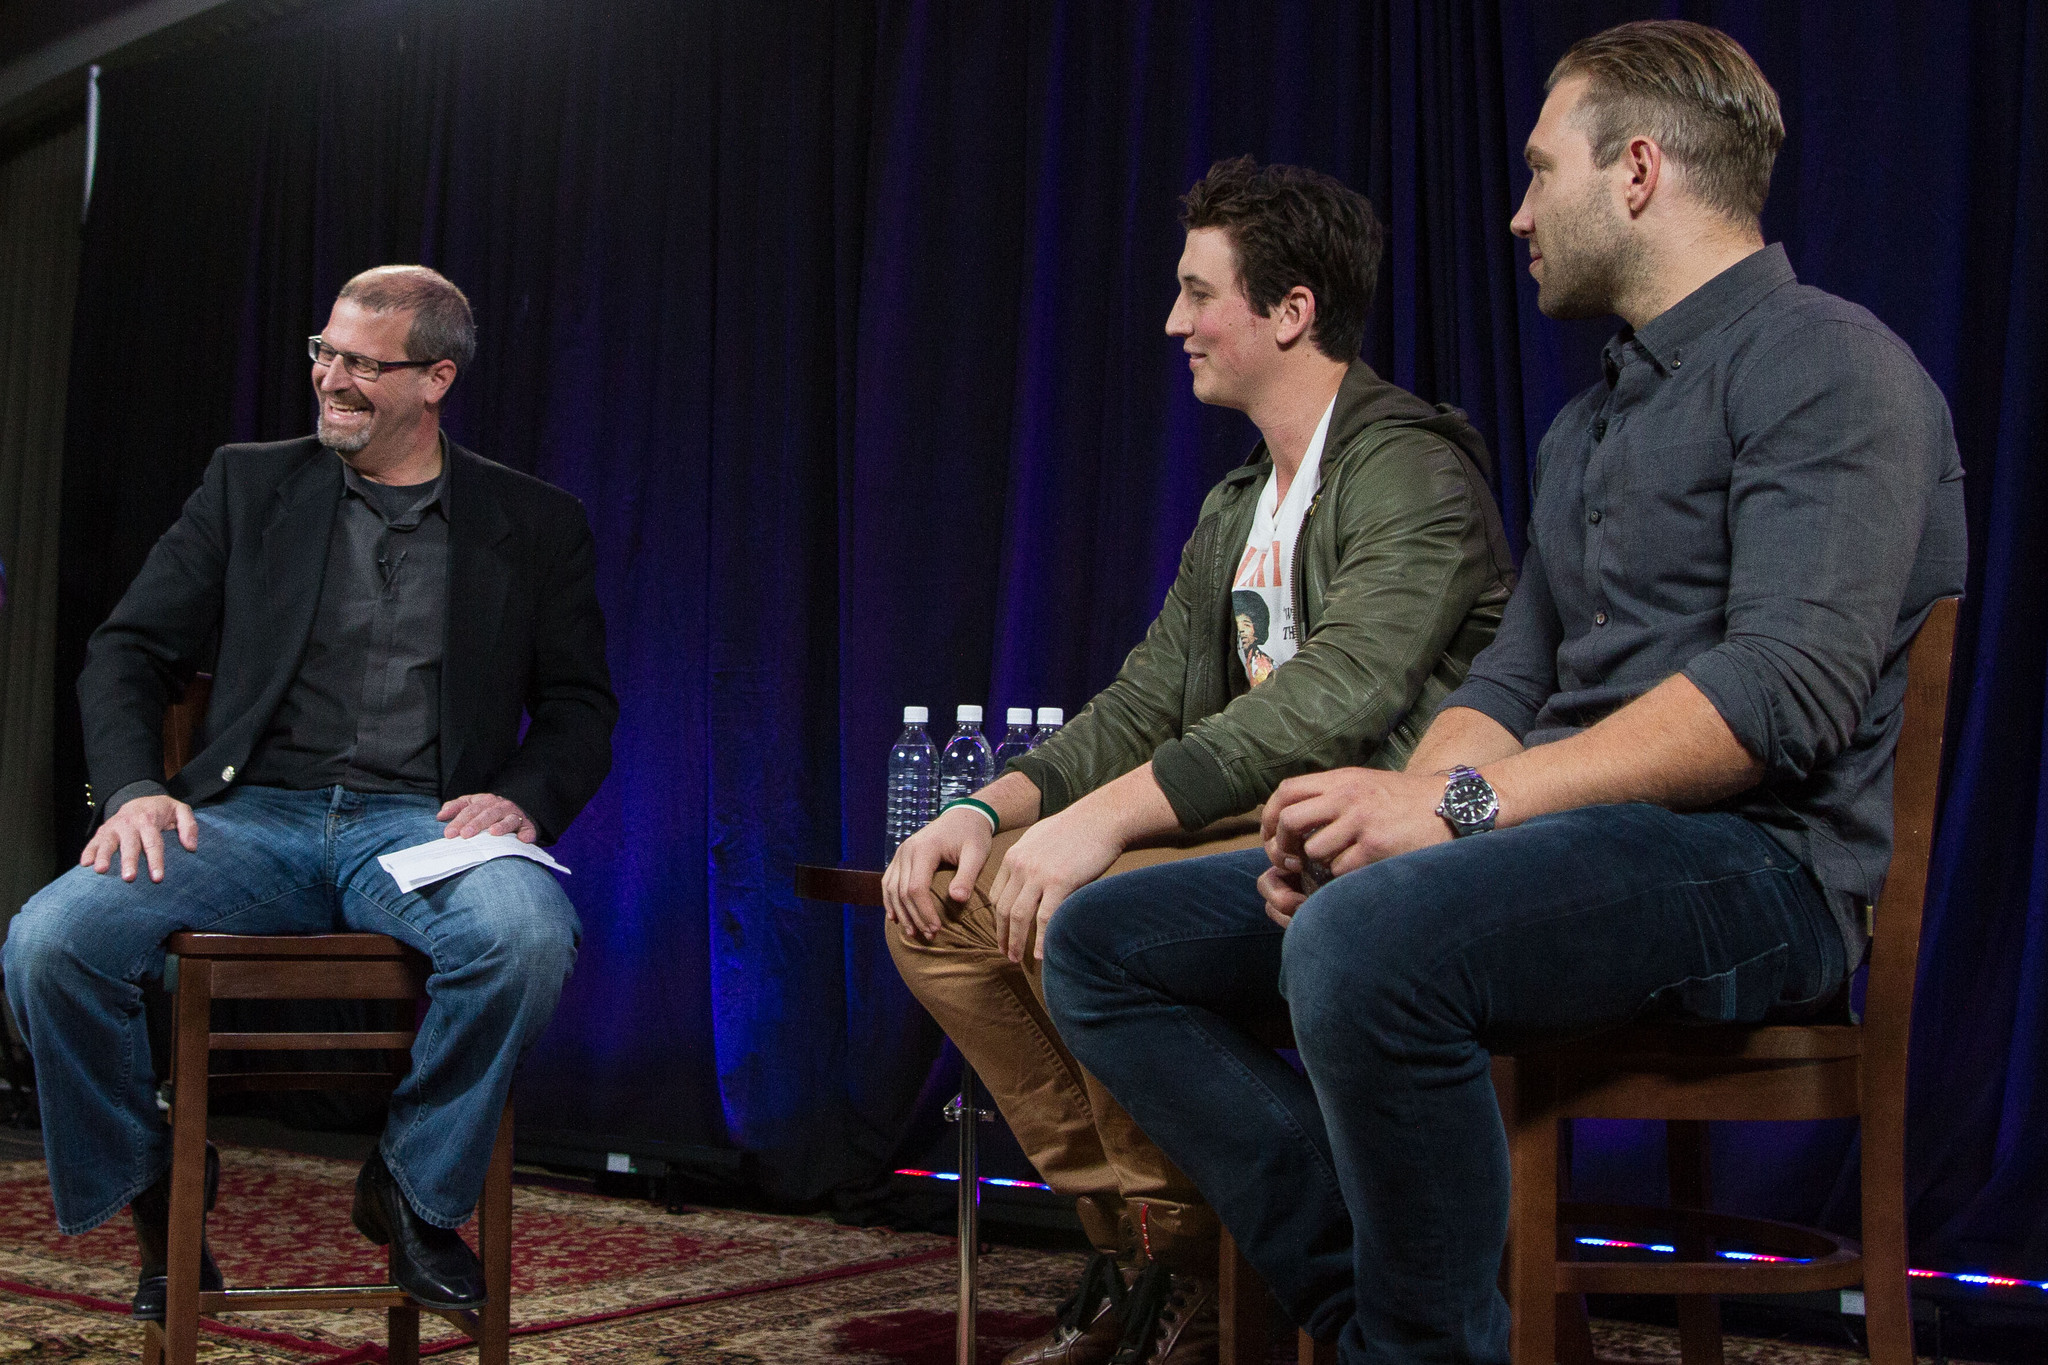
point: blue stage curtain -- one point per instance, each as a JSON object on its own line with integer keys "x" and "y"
{"x": 844, "y": 321}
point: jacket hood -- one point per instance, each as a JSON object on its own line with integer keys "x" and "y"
{"x": 1364, "y": 399}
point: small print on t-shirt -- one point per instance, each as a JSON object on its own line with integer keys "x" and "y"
{"x": 1262, "y": 593}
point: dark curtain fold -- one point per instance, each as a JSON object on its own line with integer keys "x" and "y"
{"x": 844, "y": 321}
{"x": 42, "y": 188}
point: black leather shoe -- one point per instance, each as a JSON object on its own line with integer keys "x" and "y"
{"x": 151, "y": 1213}
{"x": 432, "y": 1264}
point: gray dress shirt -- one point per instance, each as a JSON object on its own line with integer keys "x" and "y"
{"x": 1764, "y": 495}
{"x": 364, "y": 711}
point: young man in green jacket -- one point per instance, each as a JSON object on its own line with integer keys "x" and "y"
{"x": 1334, "y": 591}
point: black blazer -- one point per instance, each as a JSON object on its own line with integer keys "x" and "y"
{"x": 246, "y": 558}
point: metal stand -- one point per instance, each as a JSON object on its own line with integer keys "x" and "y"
{"x": 963, "y": 1110}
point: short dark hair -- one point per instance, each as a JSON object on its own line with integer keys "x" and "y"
{"x": 1243, "y": 603}
{"x": 442, "y": 326}
{"x": 1696, "y": 92}
{"x": 1294, "y": 226}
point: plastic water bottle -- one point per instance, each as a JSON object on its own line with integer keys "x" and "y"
{"x": 1018, "y": 737}
{"x": 965, "y": 765}
{"x": 1050, "y": 718}
{"x": 912, "y": 789}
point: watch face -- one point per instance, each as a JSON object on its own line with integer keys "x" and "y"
{"x": 1469, "y": 801}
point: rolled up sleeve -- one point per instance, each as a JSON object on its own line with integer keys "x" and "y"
{"x": 1838, "y": 436}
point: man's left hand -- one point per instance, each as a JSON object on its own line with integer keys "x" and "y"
{"x": 1350, "y": 817}
{"x": 1055, "y": 858}
{"x": 483, "y": 813}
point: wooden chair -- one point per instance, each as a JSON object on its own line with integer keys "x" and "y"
{"x": 1688, "y": 1076}
{"x": 208, "y": 967}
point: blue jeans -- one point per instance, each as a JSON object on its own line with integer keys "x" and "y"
{"x": 1372, "y": 1194}
{"x": 501, "y": 938}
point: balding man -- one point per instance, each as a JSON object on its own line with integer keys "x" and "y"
{"x": 388, "y": 606}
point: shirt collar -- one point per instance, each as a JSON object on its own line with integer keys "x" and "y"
{"x": 434, "y": 495}
{"x": 1666, "y": 339}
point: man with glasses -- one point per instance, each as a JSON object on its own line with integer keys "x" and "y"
{"x": 387, "y": 607}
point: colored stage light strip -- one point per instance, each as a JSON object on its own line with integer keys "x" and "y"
{"x": 1960, "y": 1277}
{"x": 1661, "y": 1248}
{"x": 986, "y": 1180}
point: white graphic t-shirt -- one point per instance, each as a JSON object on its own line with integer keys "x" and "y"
{"x": 1262, "y": 593}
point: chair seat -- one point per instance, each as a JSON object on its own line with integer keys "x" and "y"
{"x": 193, "y": 944}
{"x": 1733, "y": 1044}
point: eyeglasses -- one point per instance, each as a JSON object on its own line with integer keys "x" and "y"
{"x": 361, "y": 366}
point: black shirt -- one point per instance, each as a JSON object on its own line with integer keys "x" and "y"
{"x": 1764, "y": 495}
{"x": 364, "y": 711}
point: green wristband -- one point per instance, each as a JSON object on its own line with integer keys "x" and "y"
{"x": 995, "y": 822}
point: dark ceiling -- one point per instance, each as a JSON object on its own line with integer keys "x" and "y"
{"x": 26, "y": 25}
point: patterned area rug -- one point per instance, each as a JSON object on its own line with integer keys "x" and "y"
{"x": 592, "y": 1278}
{"x": 597, "y": 1281}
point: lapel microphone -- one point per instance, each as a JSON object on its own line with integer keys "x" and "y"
{"x": 389, "y": 566}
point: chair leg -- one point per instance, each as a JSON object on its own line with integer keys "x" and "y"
{"x": 1887, "y": 1292}
{"x": 1691, "y": 1184}
{"x": 494, "y": 1235}
{"x": 402, "y": 1335}
{"x": 1524, "y": 1089}
{"x": 188, "y": 1163}
{"x": 1240, "y": 1307}
{"x": 1309, "y": 1351}
{"x": 1574, "y": 1331}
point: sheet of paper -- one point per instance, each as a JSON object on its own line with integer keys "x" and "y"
{"x": 438, "y": 859}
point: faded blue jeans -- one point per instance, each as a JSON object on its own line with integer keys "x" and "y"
{"x": 502, "y": 938}
{"x": 1372, "y": 1194}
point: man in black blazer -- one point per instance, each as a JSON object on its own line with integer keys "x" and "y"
{"x": 387, "y": 607}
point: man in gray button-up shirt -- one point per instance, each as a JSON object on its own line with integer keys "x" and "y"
{"x": 1665, "y": 788}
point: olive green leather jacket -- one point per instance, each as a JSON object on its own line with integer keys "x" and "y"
{"x": 1401, "y": 571}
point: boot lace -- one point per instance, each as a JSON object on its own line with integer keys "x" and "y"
{"x": 1101, "y": 1282}
{"x": 1146, "y": 1312}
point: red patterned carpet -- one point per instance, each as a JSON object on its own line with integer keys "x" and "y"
{"x": 594, "y": 1279}
{"x": 597, "y": 1281}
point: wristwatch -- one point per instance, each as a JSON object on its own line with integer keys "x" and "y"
{"x": 1469, "y": 805}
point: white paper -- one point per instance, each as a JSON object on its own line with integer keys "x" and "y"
{"x": 439, "y": 859}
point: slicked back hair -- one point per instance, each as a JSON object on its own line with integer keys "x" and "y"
{"x": 1294, "y": 226}
{"x": 442, "y": 325}
{"x": 1692, "y": 89}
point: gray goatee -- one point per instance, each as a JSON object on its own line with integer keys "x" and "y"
{"x": 348, "y": 444}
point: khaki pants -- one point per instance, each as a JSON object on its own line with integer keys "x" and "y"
{"x": 1129, "y": 1196}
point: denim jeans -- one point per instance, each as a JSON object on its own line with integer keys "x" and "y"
{"x": 1372, "y": 1194}
{"x": 501, "y": 937}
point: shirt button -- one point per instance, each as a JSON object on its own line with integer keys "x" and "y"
{"x": 1594, "y": 516}
{"x": 1599, "y": 618}
{"x": 1599, "y": 428}
{"x": 227, "y": 774}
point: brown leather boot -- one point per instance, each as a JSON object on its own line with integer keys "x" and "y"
{"x": 1169, "y": 1319}
{"x": 1170, "y": 1315}
{"x": 1089, "y": 1325}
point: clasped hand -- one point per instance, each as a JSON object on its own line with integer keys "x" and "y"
{"x": 1051, "y": 860}
{"x": 1341, "y": 821}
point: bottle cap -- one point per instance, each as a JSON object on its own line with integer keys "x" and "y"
{"x": 1051, "y": 715}
{"x": 915, "y": 715}
{"x": 968, "y": 715}
{"x": 1019, "y": 715}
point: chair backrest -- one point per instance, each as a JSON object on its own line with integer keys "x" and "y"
{"x": 1916, "y": 774}
{"x": 181, "y": 723}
